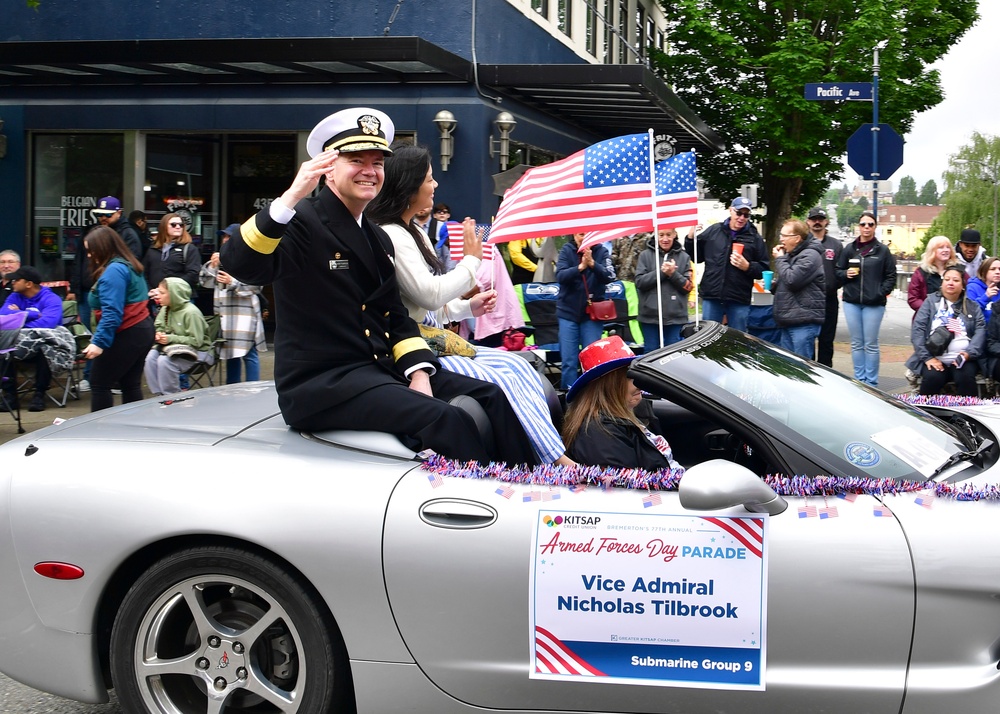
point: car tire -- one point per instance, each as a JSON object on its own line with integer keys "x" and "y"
{"x": 207, "y": 629}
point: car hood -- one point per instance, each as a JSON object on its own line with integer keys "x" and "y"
{"x": 200, "y": 417}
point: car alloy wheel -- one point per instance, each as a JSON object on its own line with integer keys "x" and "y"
{"x": 221, "y": 629}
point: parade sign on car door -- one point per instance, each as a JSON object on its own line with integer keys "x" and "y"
{"x": 668, "y": 600}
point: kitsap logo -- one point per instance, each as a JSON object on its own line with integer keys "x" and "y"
{"x": 571, "y": 521}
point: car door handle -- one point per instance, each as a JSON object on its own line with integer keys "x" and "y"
{"x": 457, "y": 513}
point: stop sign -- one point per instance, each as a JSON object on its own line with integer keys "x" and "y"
{"x": 890, "y": 152}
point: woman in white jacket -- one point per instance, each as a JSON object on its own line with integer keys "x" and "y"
{"x": 434, "y": 297}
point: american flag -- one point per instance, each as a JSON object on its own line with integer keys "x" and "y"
{"x": 653, "y": 499}
{"x": 882, "y": 512}
{"x": 807, "y": 511}
{"x": 925, "y": 499}
{"x": 456, "y": 242}
{"x": 505, "y": 490}
{"x": 552, "y": 656}
{"x": 849, "y": 497}
{"x": 748, "y": 531}
{"x": 551, "y": 496}
{"x": 605, "y": 186}
{"x": 435, "y": 480}
{"x": 676, "y": 200}
{"x": 828, "y": 512}
{"x": 528, "y": 496}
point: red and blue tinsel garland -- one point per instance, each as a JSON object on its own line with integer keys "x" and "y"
{"x": 669, "y": 480}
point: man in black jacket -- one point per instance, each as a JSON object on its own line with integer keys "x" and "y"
{"x": 109, "y": 213}
{"x": 734, "y": 255}
{"x": 831, "y": 248}
{"x": 348, "y": 356}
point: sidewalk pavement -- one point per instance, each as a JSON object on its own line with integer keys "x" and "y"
{"x": 891, "y": 379}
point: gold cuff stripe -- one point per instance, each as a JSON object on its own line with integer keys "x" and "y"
{"x": 405, "y": 347}
{"x": 257, "y": 240}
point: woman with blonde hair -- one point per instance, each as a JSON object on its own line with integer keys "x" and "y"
{"x": 600, "y": 427}
{"x": 926, "y": 279}
{"x": 172, "y": 254}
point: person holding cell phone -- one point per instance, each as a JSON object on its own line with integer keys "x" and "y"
{"x": 953, "y": 309}
{"x": 867, "y": 270}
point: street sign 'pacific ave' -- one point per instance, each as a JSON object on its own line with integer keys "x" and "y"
{"x": 890, "y": 152}
{"x": 851, "y": 91}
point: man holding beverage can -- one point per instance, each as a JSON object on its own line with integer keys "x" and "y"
{"x": 734, "y": 255}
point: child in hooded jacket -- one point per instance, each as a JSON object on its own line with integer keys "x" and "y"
{"x": 179, "y": 322}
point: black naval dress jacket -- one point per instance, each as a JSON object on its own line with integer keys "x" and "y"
{"x": 341, "y": 326}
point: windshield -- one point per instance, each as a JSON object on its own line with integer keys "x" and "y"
{"x": 875, "y": 434}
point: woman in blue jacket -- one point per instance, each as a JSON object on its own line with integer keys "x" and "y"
{"x": 582, "y": 278}
{"x": 124, "y": 332}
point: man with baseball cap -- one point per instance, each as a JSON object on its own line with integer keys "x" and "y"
{"x": 831, "y": 248}
{"x": 348, "y": 356}
{"x": 109, "y": 213}
{"x": 734, "y": 255}
{"x": 42, "y": 309}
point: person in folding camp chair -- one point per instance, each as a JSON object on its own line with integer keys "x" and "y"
{"x": 181, "y": 337}
{"x": 43, "y": 310}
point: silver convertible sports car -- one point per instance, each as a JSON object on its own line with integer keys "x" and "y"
{"x": 829, "y": 549}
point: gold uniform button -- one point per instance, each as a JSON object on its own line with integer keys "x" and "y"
{"x": 363, "y": 307}
{"x": 368, "y": 333}
{"x": 386, "y": 314}
{"x": 375, "y": 357}
{"x": 387, "y": 335}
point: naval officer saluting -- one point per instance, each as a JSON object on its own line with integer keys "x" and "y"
{"x": 347, "y": 354}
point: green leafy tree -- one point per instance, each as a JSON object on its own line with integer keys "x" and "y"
{"x": 742, "y": 67}
{"x": 929, "y": 194}
{"x": 863, "y": 203}
{"x": 848, "y": 213}
{"x": 906, "y": 194}
{"x": 970, "y": 194}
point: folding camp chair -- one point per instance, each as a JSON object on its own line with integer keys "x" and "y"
{"x": 210, "y": 369}
{"x": 10, "y": 328}
{"x": 67, "y": 382}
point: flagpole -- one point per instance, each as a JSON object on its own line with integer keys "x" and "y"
{"x": 656, "y": 233}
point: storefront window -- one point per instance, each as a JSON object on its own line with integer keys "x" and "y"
{"x": 180, "y": 178}
{"x": 70, "y": 173}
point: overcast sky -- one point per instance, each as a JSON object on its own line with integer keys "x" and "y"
{"x": 971, "y": 103}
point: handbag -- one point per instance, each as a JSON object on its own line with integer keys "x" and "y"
{"x": 938, "y": 341}
{"x": 444, "y": 343}
{"x": 179, "y": 350}
{"x": 601, "y": 310}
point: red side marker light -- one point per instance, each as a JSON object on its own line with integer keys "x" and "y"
{"x": 59, "y": 571}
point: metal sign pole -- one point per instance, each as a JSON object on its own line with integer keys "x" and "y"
{"x": 875, "y": 173}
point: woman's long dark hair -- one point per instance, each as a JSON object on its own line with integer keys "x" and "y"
{"x": 405, "y": 173}
{"x": 104, "y": 244}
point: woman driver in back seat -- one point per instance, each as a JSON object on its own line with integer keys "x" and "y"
{"x": 600, "y": 427}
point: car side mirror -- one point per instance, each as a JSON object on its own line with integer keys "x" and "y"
{"x": 717, "y": 484}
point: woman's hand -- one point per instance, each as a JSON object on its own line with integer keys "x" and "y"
{"x": 935, "y": 364}
{"x": 214, "y": 260}
{"x": 586, "y": 260}
{"x": 92, "y": 351}
{"x": 223, "y": 278}
{"x": 471, "y": 244}
{"x": 484, "y": 302}
{"x": 992, "y": 290}
{"x": 161, "y": 338}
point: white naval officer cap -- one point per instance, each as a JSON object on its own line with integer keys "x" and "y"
{"x": 357, "y": 129}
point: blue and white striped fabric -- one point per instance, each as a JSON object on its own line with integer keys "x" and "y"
{"x": 523, "y": 387}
